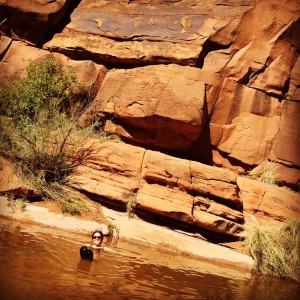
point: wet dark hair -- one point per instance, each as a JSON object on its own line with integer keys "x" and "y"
{"x": 86, "y": 253}
{"x": 100, "y": 232}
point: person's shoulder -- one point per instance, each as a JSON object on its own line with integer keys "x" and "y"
{"x": 109, "y": 250}
{"x": 96, "y": 247}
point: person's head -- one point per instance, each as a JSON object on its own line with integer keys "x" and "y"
{"x": 97, "y": 237}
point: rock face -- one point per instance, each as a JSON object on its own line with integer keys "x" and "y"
{"x": 268, "y": 202}
{"x": 143, "y": 32}
{"x": 203, "y": 93}
{"x": 151, "y": 106}
{"x": 11, "y": 183}
{"x": 183, "y": 192}
{"x": 89, "y": 73}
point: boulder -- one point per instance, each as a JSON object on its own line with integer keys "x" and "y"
{"x": 249, "y": 138}
{"x": 159, "y": 168}
{"x": 212, "y": 207}
{"x": 165, "y": 202}
{"x": 267, "y": 202}
{"x": 32, "y": 21}
{"x": 214, "y": 183}
{"x": 109, "y": 171}
{"x": 241, "y": 118}
{"x": 11, "y": 183}
{"x": 161, "y": 106}
{"x": 235, "y": 99}
{"x": 217, "y": 224}
{"x": 272, "y": 24}
{"x": 277, "y": 75}
{"x": 259, "y": 53}
{"x": 144, "y": 32}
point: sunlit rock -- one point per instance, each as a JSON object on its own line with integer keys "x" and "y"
{"x": 267, "y": 202}
{"x": 162, "y": 106}
{"x": 288, "y": 134}
{"x": 217, "y": 224}
{"x": 136, "y": 33}
{"x": 11, "y": 183}
{"x": 215, "y": 183}
{"x": 166, "y": 202}
{"x": 110, "y": 170}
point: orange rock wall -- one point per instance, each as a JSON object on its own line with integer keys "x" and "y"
{"x": 207, "y": 90}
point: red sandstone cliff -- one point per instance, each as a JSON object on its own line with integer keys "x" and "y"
{"x": 203, "y": 93}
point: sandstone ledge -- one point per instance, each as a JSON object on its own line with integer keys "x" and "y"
{"x": 186, "y": 193}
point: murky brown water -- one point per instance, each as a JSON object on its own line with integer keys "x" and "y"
{"x": 44, "y": 263}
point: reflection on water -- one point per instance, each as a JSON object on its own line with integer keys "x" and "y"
{"x": 44, "y": 263}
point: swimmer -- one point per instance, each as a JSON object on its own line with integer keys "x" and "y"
{"x": 91, "y": 251}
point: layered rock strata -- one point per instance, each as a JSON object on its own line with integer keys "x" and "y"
{"x": 179, "y": 191}
{"x": 205, "y": 90}
{"x": 144, "y": 32}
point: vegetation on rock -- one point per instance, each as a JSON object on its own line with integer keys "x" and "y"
{"x": 38, "y": 129}
{"x": 276, "y": 251}
{"x": 131, "y": 204}
{"x": 268, "y": 174}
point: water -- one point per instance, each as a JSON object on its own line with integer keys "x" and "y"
{"x": 44, "y": 263}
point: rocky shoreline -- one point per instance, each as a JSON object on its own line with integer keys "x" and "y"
{"x": 133, "y": 230}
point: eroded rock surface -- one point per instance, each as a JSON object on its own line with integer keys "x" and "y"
{"x": 153, "y": 105}
{"x": 266, "y": 202}
{"x": 11, "y": 183}
{"x": 213, "y": 82}
{"x": 139, "y": 32}
{"x": 180, "y": 191}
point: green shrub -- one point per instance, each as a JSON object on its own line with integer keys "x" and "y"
{"x": 43, "y": 90}
{"x": 38, "y": 125}
{"x": 275, "y": 251}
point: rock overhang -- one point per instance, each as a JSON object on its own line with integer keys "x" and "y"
{"x": 143, "y": 33}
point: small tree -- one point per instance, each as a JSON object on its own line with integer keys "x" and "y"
{"x": 38, "y": 125}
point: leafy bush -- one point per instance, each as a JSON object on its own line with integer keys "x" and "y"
{"x": 44, "y": 90}
{"x": 38, "y": 124}
{"x": 275, "y": 251}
